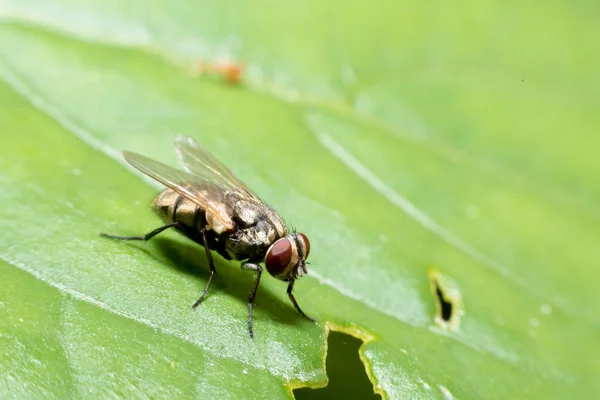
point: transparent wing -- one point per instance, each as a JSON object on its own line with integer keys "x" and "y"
{"x": 198, "y": 189}
{"x": 198, "y": 161}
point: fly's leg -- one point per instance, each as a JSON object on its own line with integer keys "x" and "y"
{"x": 293, "y": 299}
{"x": 211, "y": 264}
{"x": 147, "y": 236}
{"x": 257, "y": 268}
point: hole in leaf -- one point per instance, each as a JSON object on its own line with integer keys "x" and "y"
{"x": 448, "y": 302}
{"x": 346, "y": 372}
{"x": 445, "y": 306}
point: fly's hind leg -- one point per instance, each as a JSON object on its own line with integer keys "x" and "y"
{"x": 147, "y": 236}
{"x": 211, "y": 264}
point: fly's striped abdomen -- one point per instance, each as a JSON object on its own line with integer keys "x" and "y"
{"x": 170, "y": 206}
{"x": 173, "y": 207}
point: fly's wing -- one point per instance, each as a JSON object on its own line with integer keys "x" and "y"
{"x": 198, "y": 161}
{"x": 197, "y": 188}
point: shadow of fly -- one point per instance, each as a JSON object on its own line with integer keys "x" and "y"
{"x": 211, "y": 206}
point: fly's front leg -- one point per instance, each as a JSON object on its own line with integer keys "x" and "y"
{"x": 147, "y": 236}
{"x": 252, "y": 267}
{"x": 293, "y": 299}
{"x": 211, "y": 264}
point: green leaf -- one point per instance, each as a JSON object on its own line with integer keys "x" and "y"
{"x": 408, "y": 141}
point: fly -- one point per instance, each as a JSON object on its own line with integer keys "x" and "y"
{"x": 211, "y": 206}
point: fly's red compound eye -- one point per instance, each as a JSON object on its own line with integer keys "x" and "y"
{"x": 304, "y": 239}
{"x": 278, "y": 257}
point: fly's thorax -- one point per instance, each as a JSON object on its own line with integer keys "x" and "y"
{"x": 247, "y": 213}
{"x": 250, "y": 211}
{"x": 253, "y": 242}
{"x": 170, "y": 206}
{"x": 286, "y": 257}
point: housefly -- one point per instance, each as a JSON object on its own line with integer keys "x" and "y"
{"x": 211, "y": 206}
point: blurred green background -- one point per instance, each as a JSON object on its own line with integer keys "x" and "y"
{"x": 401, "y": 137}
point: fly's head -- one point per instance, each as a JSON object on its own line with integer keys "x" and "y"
{"x": 286, "y": 258}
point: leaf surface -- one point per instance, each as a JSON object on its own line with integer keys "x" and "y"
{"x": 399, "y": 140}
